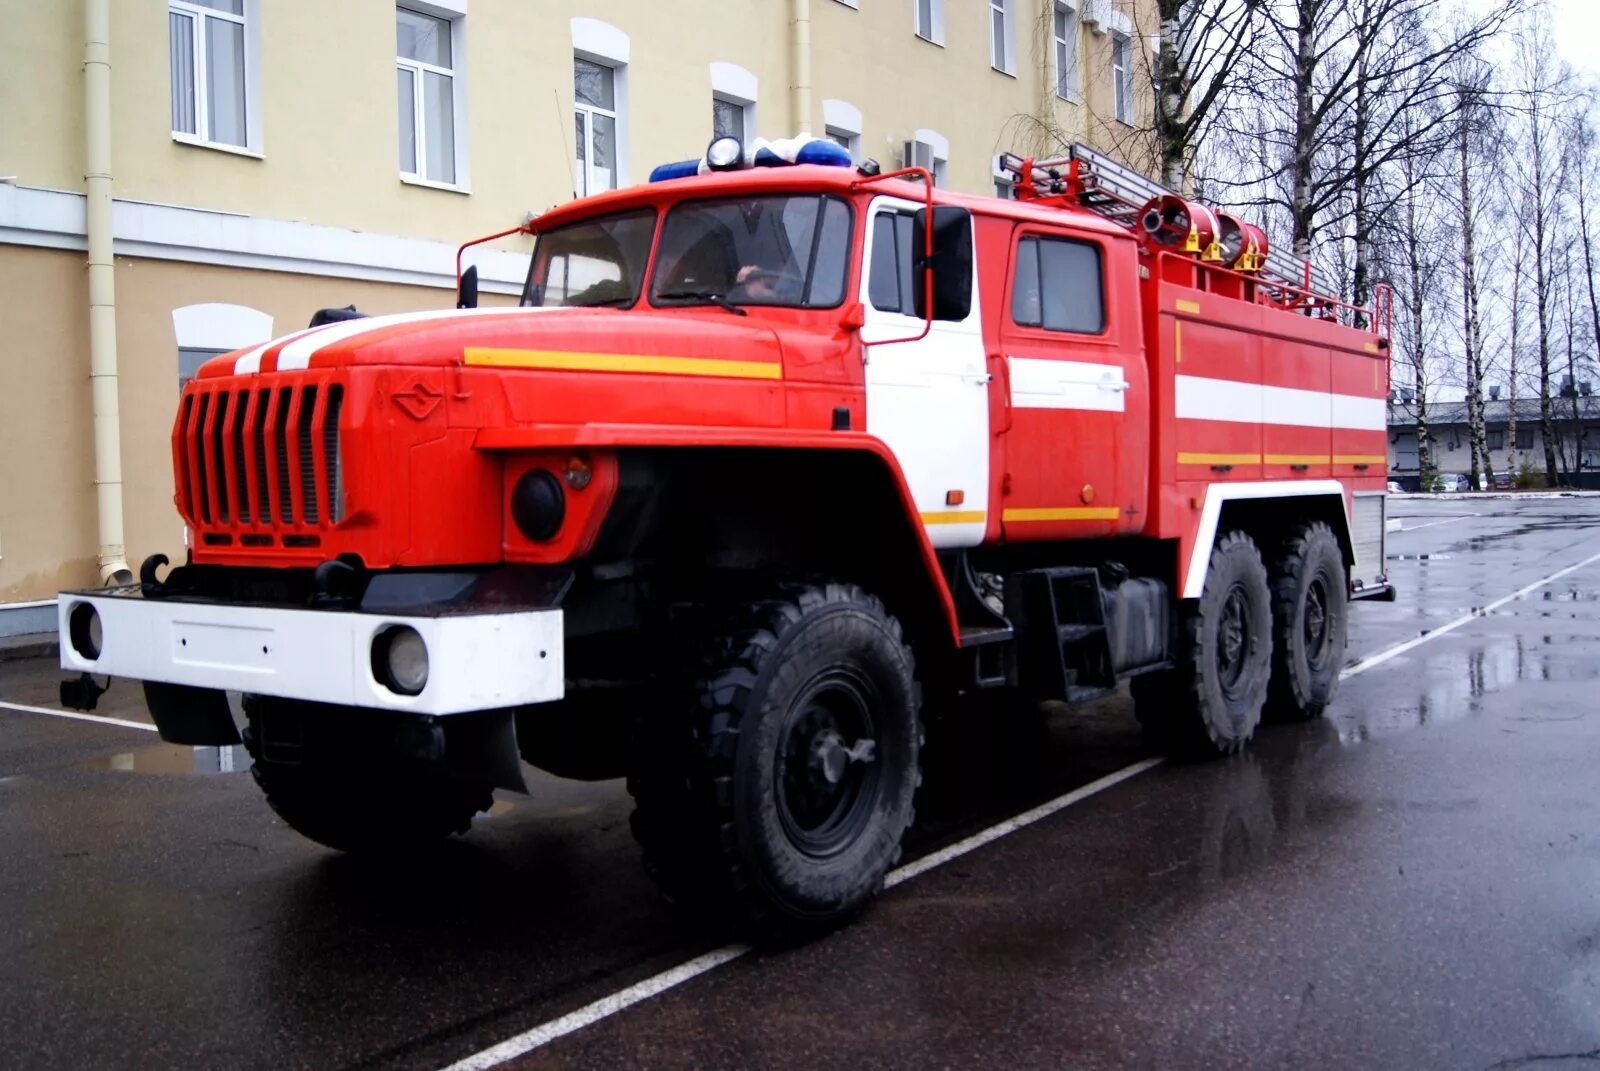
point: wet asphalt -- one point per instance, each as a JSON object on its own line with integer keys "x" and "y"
{"x": 1413, "y": 882}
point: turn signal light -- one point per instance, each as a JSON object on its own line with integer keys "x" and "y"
{"x": 578, "y": 472}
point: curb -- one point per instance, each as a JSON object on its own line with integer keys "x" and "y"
{"x": 1483, "y": 496}
{"x": 34, "y": 645}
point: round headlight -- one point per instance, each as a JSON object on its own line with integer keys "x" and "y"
{"x": 724, "y": 153}
{"x": 84, "y": 631}
{"x": 401, "y": 659}
{"x": 538, "y": 505}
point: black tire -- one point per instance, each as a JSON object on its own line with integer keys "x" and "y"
{"x": 1211, "y": 703}
{"x": 754, "y": 804}
{"x": 1310, "y": 617}
{"x": 344, "y": 805}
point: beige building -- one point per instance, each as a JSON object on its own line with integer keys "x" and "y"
{"x": 265, "y": 158}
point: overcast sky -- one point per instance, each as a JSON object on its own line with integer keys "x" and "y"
{"x": 1578, "y": 33}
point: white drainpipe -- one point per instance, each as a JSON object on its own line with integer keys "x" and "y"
{"x": 800, "y": 66}
{"x": 102, "y": 290}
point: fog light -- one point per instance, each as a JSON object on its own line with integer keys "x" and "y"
{"x": 400, "y": 659}
{"x": 84, "y": 630}
{"x": 724, "y": 153}
{"x": 538, "y": 505}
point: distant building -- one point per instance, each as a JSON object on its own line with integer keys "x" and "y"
{"x": 1577, "y": 422}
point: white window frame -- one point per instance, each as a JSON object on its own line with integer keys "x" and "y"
{"x": 732, "y": 84}
{"x": 251, "y": 20}
{"x": 933, "y": 34}
{"x": 602, "y": 43}
{"x": 1122, "y": 77}
{"x": 841, "y": 121}
{"x": 1003, "y": 52}
{"x": 455, "y": 14}
{"x": 1065, "y": 89}
{"x": 588, "y": 112}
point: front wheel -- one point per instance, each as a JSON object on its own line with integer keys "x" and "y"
{"x": 335, "y": 794}
{"x": 783, "y": 796}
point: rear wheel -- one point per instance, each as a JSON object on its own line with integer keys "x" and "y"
{"x": 784, "y": 793}
{"x": 1310, "y": 614}
{"x": 1211, "y": 703}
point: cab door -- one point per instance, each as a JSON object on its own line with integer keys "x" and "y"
{"x": 1075, "y": 456}
{"x": 927, "y": 399}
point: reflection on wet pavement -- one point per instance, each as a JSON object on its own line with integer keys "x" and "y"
{"x": 174, "y": 759}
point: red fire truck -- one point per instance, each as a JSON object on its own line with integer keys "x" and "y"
{"x": 776, "y": 455}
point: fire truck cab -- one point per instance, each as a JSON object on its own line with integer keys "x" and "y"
{"x": 777, "y": 457}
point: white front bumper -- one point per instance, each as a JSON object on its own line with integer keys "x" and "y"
{"x": 475, "y": 661}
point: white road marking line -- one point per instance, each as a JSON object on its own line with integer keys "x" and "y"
{"x": 1383, "y": 656}
{"x": 24, "y": 708}
{"x": 1011, "y": 825}
{"x": 1430, "y": 524}
{"x": 523, "y": 1044}
{"x": 607, "y": 1006}
{"x": 655, "y": 985}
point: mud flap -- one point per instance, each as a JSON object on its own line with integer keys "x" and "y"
{"x": 483, "y": 747}
{"x": 184, "y": 714}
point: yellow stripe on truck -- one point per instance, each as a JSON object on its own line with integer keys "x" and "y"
{"x": 575, "y": 361}
{"x": 966, "y": 516}
{"x": 1063, "y": 513}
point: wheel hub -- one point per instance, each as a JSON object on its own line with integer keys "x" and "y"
{"x": 826, "y": 767}
{"x": 1233, "y": 640}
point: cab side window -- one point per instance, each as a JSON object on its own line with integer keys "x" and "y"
{"x": 890, "y": 277}
{"x": 1056, "y": 284}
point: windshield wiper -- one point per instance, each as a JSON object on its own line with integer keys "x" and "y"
{"x": 710, "y": 297}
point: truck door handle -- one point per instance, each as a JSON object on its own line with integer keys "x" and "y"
{"x": 978, "y": 380}
{"x": 1117, "y": 385}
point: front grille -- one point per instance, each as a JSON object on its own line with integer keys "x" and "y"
{"x": 260, "y": 458}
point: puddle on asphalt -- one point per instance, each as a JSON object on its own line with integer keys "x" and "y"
{"x": 1454, "y": 683}
{"x": 175, "y": 759}
{"x": 178, "y": 759}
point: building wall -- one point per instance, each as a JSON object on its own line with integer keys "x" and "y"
{"x": 48, "y": 536}
{"x": 320, "y": 216}
{"x": 329, "y": 144}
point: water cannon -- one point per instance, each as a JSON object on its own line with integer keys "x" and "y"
{"x": 1175, "y": 223}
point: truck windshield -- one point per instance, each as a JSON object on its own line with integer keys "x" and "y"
{"x": 771, "y": 250}
{"x": 594, "y": 262}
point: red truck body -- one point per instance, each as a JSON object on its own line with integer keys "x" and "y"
{"x": 769, "y": 462}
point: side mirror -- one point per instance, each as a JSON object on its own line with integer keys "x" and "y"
{"x": 951, "y": 263}
{"x": 467, "y": 289}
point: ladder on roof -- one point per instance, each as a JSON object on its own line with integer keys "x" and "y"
{"x": 1117, "y": 192}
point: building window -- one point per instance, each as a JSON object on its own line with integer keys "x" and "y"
{"x": 1122, "y": 76}
{"x": 930, "y": 20}
{"x": 842, "y": 124}
{"x": 1495, "y": 439}
{"x": 1056, "y": 285}
{"x": 1066, "y": 51}
{"x": 210, "y": 54}
{"x": 596, "y": 104}
{"x": 1524, "y": 438}
{"x": 1000, "y": 36}
{"x": 204, "y": 331}
{"x": 426, "y": 74}
{"x": 727, "y": 119}
{"x": 733, "y": 102}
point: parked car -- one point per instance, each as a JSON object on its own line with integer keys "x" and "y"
{"x": 1447, "y": 482}
{"x": 1395, "y": 488}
